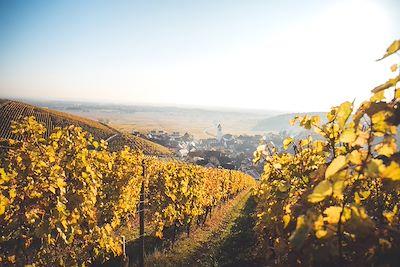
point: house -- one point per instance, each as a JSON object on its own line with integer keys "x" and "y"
{"x": 209, "y": 165}
{"x": 183, "y": 152}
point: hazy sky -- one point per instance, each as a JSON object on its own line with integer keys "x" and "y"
{"x": 285, "y": 55}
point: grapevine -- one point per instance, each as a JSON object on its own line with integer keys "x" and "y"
{"x": 335, "y": 200}
{"x": 63, "y": 199}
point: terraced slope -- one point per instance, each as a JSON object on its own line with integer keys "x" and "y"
{"x": 13, "y": 110}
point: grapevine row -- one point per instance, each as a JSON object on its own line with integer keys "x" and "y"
{"x": 63, "y": 199}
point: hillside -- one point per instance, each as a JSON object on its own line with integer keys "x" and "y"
{"x": 281, "y": 122}
{"x": 13, "y": 110}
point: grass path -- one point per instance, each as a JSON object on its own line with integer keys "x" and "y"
{"x": 226, "y": 240}
{"x": 237, "y": 248}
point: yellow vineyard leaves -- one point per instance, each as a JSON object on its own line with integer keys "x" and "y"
{"x": 76, "y": 198}
{"x": 344, "y": 186}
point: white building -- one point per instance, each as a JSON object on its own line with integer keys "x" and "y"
{"x": 219, "y": 133}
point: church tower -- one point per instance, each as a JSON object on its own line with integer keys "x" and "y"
{"x": 219, "y": 133}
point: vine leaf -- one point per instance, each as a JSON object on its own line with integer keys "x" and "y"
{"x": 332, "y": 214}
{"x": 287, "y": 142}
{"x": 393, "y": 48}
{"x": 392, "y": 171}
{"x": 386, "y": 85}
{"x": 286, "y": 220}
{"x": 336, "y": 165}
{"x": 343, "y": 113}
{"x": 321, "y": 191}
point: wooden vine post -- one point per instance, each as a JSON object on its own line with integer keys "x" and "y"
{"x": 141, "y": 218}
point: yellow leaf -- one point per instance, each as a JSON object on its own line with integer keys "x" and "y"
{"x": 320, "y": 192}
{"x": 304, "y": 142}
{"x": 379, "y": 117}
{"x": 338, "y": 189}
{"x": 348, "y": 136}
{"x": 391, "y": 172}
{"x": 61, "y": 183}
{"x": 52, "y": 189}
{"x": 343, "y": 113}
{"x": 321, "y": 233}
{"x": 393, "y": 48}
{"x": 332, "y": 214}
{"x": 332, "y": 114}
{"x": 315, "y": 120}
{"x": 159, "y": 234}
{"x": 64, "y": 223}
{"x": 379, "y": 96}
{"x": 386, "y": 85}
{"x": 364, "y": 194}
{"x": 362, "y": 138}
{"x": 4, "y": 202}
{"x": 287, "y": 142}
{"x": 387, "y": 148}
{"x": 277, "y": 166}
{"x": 357, "y": 199}
{"x": 108, "y": 228}
{"x": 355, "y": 157}
{"x": 389, "y": 216}
{"x": 319, "y": 224}
{"x": 96, "y": 144}
{"x": 319, "y": 145}
{"x": 286, "y": 220}
{"x": 13, "y": 193}
{"x": 336, "y": 165}
{"x": 293, "y": 121}
{"x": 12, "y": 259}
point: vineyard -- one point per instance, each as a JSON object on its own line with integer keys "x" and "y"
{"x": 137, "y": 143}
{"x": 331, "y": 199}
{"x": 64, "y": 198}
{"x": 335, "y": 200}
{"x": 13, "y": 110}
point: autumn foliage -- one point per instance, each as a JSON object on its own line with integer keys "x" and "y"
{"x": 63, "y": 198}
{"x": 335, "y": 200}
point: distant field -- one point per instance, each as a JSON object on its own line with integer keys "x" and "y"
{"x": 200, "y": 123}
{"x": 198, "y": 126}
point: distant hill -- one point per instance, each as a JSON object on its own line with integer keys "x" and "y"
{"x": 13, "y": 110}
{"x": 281, "y": 122}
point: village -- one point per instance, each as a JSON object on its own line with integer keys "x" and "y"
{"x": 222, "y": 151}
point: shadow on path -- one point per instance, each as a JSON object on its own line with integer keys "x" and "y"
{"x": 238, "y": 248}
